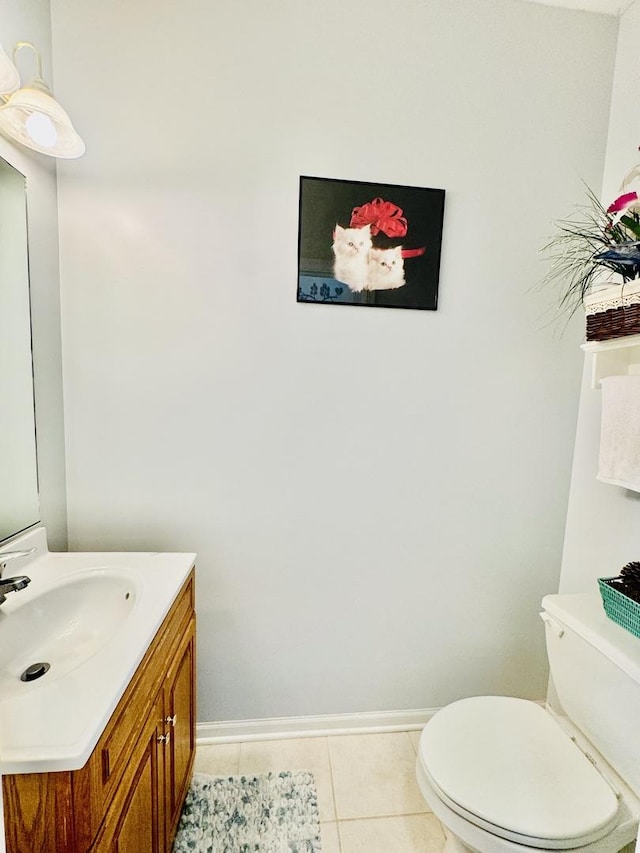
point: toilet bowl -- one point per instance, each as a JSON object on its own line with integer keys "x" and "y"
{"x": 504, "y": 774}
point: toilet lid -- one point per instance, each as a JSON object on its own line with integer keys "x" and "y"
{"x": 508, "y": 763}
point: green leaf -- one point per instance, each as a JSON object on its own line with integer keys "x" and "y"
{"x": 631, "y": 224}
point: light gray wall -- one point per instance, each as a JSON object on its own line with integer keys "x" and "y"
{"x": 603, "y": 522}
{"x": 377, "y": 497}
{"x": 31, "y": 21}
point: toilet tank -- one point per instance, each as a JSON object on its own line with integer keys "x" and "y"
{"x": 595, "y": 667}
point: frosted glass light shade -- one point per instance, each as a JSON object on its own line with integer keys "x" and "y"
{"x": 35, "y": 119}
{"x": 9, "y": 77}
{"x": 42, "y": 130}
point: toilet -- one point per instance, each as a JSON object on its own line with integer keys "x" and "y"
{"x": 505, "y": 774}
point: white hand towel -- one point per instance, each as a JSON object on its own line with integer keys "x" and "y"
{"x": 619, "y": 461}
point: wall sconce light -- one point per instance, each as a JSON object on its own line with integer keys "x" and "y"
{"x": 31, "y": 115}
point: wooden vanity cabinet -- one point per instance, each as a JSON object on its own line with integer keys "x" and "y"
{"x": 135, "y": 821}
{"x": 129, "y": 795}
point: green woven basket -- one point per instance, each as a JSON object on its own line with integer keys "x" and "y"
{"x": 619, "y": 608}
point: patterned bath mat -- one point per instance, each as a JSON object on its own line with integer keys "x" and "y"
{"x": 272, "y": 813}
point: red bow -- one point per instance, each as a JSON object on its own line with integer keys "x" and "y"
{"x": 414, "y": 253}
{"x": 381, "y": 216}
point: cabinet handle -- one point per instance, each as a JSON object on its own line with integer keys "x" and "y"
{"x": 171, "y": 721}
{"x": 165, "y": 738}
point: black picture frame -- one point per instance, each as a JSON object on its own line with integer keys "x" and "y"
{"x": 365, "y": 243}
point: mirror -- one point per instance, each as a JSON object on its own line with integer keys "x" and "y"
{"x": 19, "y": 507}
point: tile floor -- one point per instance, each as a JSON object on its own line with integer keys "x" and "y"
{"x": 367, "y": 793}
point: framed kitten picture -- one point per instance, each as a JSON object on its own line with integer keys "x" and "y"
{"x": 362, "y": 243}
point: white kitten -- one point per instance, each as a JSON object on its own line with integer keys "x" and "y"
{"x": 351, "y": 249}
{"x": 386, "y": 269}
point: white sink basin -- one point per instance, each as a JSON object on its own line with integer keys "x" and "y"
{"x": 62, "y": 625}
{"x": 91, "y": 616}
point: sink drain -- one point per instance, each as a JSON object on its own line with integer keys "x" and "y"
{"x": 36, "y": 670}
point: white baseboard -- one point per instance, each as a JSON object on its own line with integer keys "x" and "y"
{"x": 232, "y": 731}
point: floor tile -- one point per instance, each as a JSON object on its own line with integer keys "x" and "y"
{"x": 220, "y": 759}
{"x": 374, "y": 775}
{"x": 294, "y": 754}
{"x": 329, "y": 838}
{"x": 408, "y": 833}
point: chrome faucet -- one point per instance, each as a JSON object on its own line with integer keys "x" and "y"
{"x": 12, "y": 584}
{"x": 5, "y": 556}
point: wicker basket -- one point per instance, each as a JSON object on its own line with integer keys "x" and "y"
{"x": 619, "y": 608}
{"x": 613, "y": 312}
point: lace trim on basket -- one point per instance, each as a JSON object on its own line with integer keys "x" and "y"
{"x": 619, "y": 301}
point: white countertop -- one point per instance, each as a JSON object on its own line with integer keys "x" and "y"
{"x": 55, "y": 722}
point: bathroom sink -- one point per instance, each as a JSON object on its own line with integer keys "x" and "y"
{"x": 63, "y": 625}
{"x": 91, "y": 616}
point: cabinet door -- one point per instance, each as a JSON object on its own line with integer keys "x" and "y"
{"x": 181, "y": 722}
{"x": 135, "y": 820}
{"x": 38, "y": 813}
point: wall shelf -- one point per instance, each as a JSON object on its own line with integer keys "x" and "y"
{"x": 617, "y": 357}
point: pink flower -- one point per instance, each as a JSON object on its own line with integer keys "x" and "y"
{"x": 622, "y": 202}
{"x": 381, "y": 216}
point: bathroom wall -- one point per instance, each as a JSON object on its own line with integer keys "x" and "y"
{"x": 603, "y": 522}
{"x": 31, "y": 21}
{"x": 377, "y": 497}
